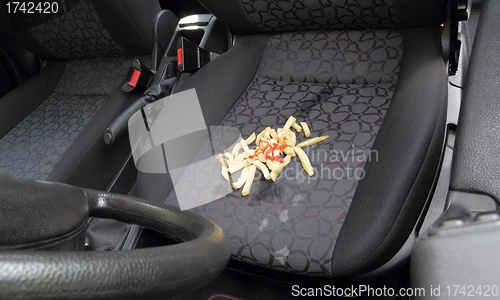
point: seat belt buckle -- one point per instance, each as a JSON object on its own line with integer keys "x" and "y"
{"x": 139, "y": 77}
{"x": 190, "y": 57}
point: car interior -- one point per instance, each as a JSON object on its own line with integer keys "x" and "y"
{"x": 127, "y": 130}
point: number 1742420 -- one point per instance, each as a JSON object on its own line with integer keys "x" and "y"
{"x": 28, "y": 7}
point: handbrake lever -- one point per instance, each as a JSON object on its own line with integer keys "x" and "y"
{"x": 154, "y": 92}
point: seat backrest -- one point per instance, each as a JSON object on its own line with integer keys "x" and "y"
{"x": 84, "y": 29}
{"x": 251, "y": 16}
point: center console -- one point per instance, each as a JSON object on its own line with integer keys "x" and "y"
{"x": 203, "y": 31}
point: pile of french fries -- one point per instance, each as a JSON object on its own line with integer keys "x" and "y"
{"x": 267, "y": 156}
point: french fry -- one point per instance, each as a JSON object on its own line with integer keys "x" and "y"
{"x": 291, "y": 139}
{"x": 273, "y": 176}
{"x": 267, "y": 135}
{"x": 224, "y": 158}
{"x": 236, "y": 149}
{"x": 273, "y": 166}
{"x": 250, "y": 139}
{"x": 249, "y": 181}
{"x": 225, "y": 173}
{"x": 287, "y": 159}
{"x": 235, "y": 166}
{"x": 243, "y": 178}
{"x": 225, "y": 155}
{"x": 312, "y": 141}
{"x": 239, "y": 157}
{"x": 259, "y": 137}
{"x": 304, "y": 160}
{"x": 283, "y": 133}
{"x": 305, "y": 127}
{"x": 296, "y": 127}
{"x": 273, "y": 133}
{"x": 291, "y": 120}
{"x": 289, "y": 151}
{"x": 262, "y": 168}
{"x": 248, "y": 153}
{"x": 267, "y": 156}
{"x": 244, "y": 146}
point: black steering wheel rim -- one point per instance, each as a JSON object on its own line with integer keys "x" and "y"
{"x": 149, "y": 273}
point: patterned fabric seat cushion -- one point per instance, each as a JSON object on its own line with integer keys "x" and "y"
{"x": 341, "y": 83}
{"x": 35, "y": 146}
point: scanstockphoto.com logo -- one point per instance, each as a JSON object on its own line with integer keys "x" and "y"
{"x": 163, "y": 141}
{"x": 355, "y": 291}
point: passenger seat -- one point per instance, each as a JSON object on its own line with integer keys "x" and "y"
{"x": 52, "y": 125}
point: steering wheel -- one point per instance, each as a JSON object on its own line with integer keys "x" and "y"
{"x": 43, "y": 216}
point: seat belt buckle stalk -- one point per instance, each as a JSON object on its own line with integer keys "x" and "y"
{"x": 139, "y": 77}
{"x": 190, "y": 57}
